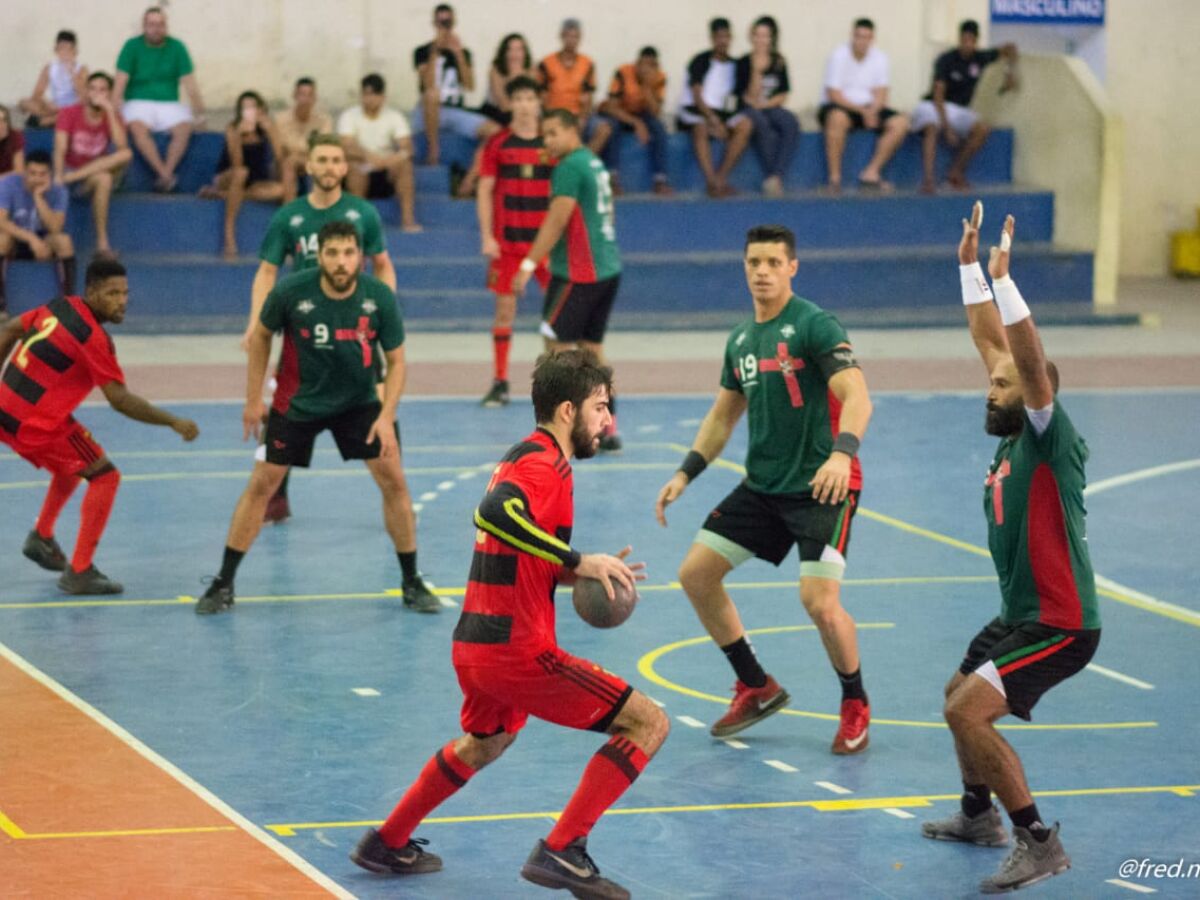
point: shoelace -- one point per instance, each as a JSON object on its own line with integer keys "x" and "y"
{"x": 417, "y": 844}
{"x": 1010, "y": 862}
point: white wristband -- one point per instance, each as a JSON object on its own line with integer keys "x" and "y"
{"x": 528, "y": 265}
{"x": 1010, "y": 302}
{"x": 974, "y": 285}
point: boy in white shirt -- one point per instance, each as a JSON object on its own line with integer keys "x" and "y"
{"x": 64, "y": 77}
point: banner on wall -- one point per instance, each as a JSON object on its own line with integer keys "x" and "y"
{"x": 1048, "y": 12}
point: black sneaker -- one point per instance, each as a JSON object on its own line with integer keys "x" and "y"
{"x": 90, "y": 581}
{"x": 497, "y": 396}
{"x": 376, "y": 856}
{"x": 610, "y": 443}
{"x": 45, "y": 552}
{"x": 418, "y": 596}
{"x": 571, "y": 869}
{"x": 218, "y": 598}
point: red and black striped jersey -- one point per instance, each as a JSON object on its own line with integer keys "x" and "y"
{"x": 63, "y": 354}
{"x": 521, "y": 196}
{"x": 522, "y": 543}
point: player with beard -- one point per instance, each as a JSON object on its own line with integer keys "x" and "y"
{"x": 335, "y": 320}
{"x": 506, "y": 654}
{"x": 1049, "y": 626}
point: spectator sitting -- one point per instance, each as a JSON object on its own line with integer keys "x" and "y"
{"x": 444, "y": 69}
{"x": 150, "y": 69}
{"x": 762, "y": 87}
{"x": 64, "y": 76}
{"x": 946, "y": 109}
{"x": 708, "y": 108}
{"x": 12, "y": 145}
{"x": 513, "y": 60}
{"x": 378, "y": 145}
{"x": 246, "y": 169}
{"x": 33, "y": 216}
{"x": 568, "y": 78}
{"x": 855, "y": 96}
{"x": 83, "y": 137}
{"x": 635, "y": 99}
{"x": 296, "y": 128}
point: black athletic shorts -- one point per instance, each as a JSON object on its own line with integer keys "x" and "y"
{"x": 379, "y": 185}
{"x": 769, "y": 524}
{"x": 290, "y": 442}
{"x": 578, "y": 312}
{"x": 1030, "y": 658}
{"x": 856, "y": 118}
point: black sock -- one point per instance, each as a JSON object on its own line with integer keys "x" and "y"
{"x": 741, "y": 656}
{"x": 67, "y": 275}
{"x": 852, "y": 686}
{"x": 976, "y": 799}
{"x": 408, "y": 566}
{"x": 281, "y": 491}
{"x": 1029, "y": 819}
{"x": 229, "y": 566}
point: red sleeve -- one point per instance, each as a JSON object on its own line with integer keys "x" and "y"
{"x": 100, "y": 356}
{"x": 489, "y": 165}
{"x": 539, "y": 482}
{"x": 28, "y": 318}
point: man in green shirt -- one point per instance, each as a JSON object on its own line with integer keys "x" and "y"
{"x": 579, "y": 234}
{"x": 150, "y": 69}
{"x": 1049, "y": 627}
{"x": 792, "y": 368}
{"x": 334, "y": 321}
{"x": 293, "y": 232}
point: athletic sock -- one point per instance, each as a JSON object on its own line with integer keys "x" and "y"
{"x": 1029, "y": 819}
{"x": 976, "y": 799}
{"x": 66, "y": 275}
{"x": 229, "y": 566}
{"x": 501, "y": 344}
{"x": 444, "y": 774}
{"x": 61, "y": 489}
{"x": 97, "y": 504}
{"x": 852, "y": 686}
{"x": 611, "y": 771}
{"x": 408, "y": 566}
{"x": 741, "y": 656}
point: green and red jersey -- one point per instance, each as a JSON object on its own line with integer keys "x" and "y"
{"x": 587, "y": 251}
{"x": 793, "y": 416}
{"x": 1037, "y": 530}
{"x": 294, "y": 227}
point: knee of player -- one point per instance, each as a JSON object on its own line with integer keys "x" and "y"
{"x": 958, "y": 713}
{"x": 478, "y": 752}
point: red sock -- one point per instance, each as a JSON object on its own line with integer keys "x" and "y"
{"x": 444, "y": 774}
{"x": 501, "y": 342}
{"x": 61, "y": 489}
{"x": 609, "y": 774}
{"x": 97, "y": 504}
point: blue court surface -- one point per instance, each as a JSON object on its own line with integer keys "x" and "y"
{"x": 312, "y": 706}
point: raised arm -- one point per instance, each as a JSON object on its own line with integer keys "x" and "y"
{"x": 983, "y": 318}
{"x": 711, "y": 438}
{"x": 1037, "y": 390}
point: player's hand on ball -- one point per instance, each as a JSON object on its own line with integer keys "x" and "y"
{"x": 968, "y": 247}
{"x": 638, "y": 568}
{"x": 186, "y": 428}
{"x": 671, "y": 491}
{"x": 998, "y": 262}
{"x": 602, "y": 567}
{"x": 832, "y": 481}
{"x": 252, "y": 419}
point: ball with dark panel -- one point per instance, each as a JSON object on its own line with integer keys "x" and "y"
{"x": 594, "y": 607}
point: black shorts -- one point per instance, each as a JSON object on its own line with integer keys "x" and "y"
{"x": 768, "y": 525}
{"x": 379, "y": 185}
{"x": 578, "y": 312}
{"x": 22, "y": 251}
{"x": 856, "y": 119}
{"x": 1030, "y": 658}
{"x": 290, "y": 442}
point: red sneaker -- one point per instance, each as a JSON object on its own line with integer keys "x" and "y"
{"x": 750, "y": 705}
{"x": 851, "y": 736}
{"x": 277, "y": 510}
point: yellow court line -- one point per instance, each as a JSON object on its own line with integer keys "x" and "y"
{"x": 646, "y": 670}
{"x": 9, "y": 827}
{"x": 822, "y": 805}
{"x": 14, "y": 831}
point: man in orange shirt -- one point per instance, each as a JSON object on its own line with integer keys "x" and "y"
{"x": 568, "y": 78}
{"x": 635, "y": 99}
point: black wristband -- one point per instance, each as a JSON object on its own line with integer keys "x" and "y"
{"x": 847, "y": 443}
{"x": 693, "y": 464}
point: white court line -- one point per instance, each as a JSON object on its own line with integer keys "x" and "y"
{"x": 657, "y": 703}
{"x": 780, "y": 765}
{"x": 899, "y": 813}
{"x": 736, "y": 745}
{"x": 463, "y": 476}
{"x": 1140, "y": 888}
{"x": 835, "y": 788}
{"x": 1191, "y": 615}
{"x": 178, "y": 774}
{"x": 428, "y": 495}
{"x": 690, "y": 722}
{"x": 1140, "y": 475}
{"x": 445, "y": 485}
{"x": 448, "y": 602}
{"x": 1117, "y": 676}
{"x": 417, "y": 507}
{"x": 366, "y": 692}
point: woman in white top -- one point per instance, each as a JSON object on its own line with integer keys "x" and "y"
{"x": 64, "y": 77}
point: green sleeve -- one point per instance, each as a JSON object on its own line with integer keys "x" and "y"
{"x": 567, "y": 181}
{"x": 184, "y": 59}
{"x": 372, "y": 233}
{"x": 391, "y": 326}
{"x": 274, "y": 312}
{"x": 825, "y": 333}
{"x": 1059, "y": 438}
{"x": 729, "y": 379}
{"x": 275, "y": 247}
{"x": 125, "y": 61}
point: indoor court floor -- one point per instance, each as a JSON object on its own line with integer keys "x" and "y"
{"x": 244, "y": 754}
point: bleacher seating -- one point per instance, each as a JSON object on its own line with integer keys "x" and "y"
{"x": 872, "y": 258}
